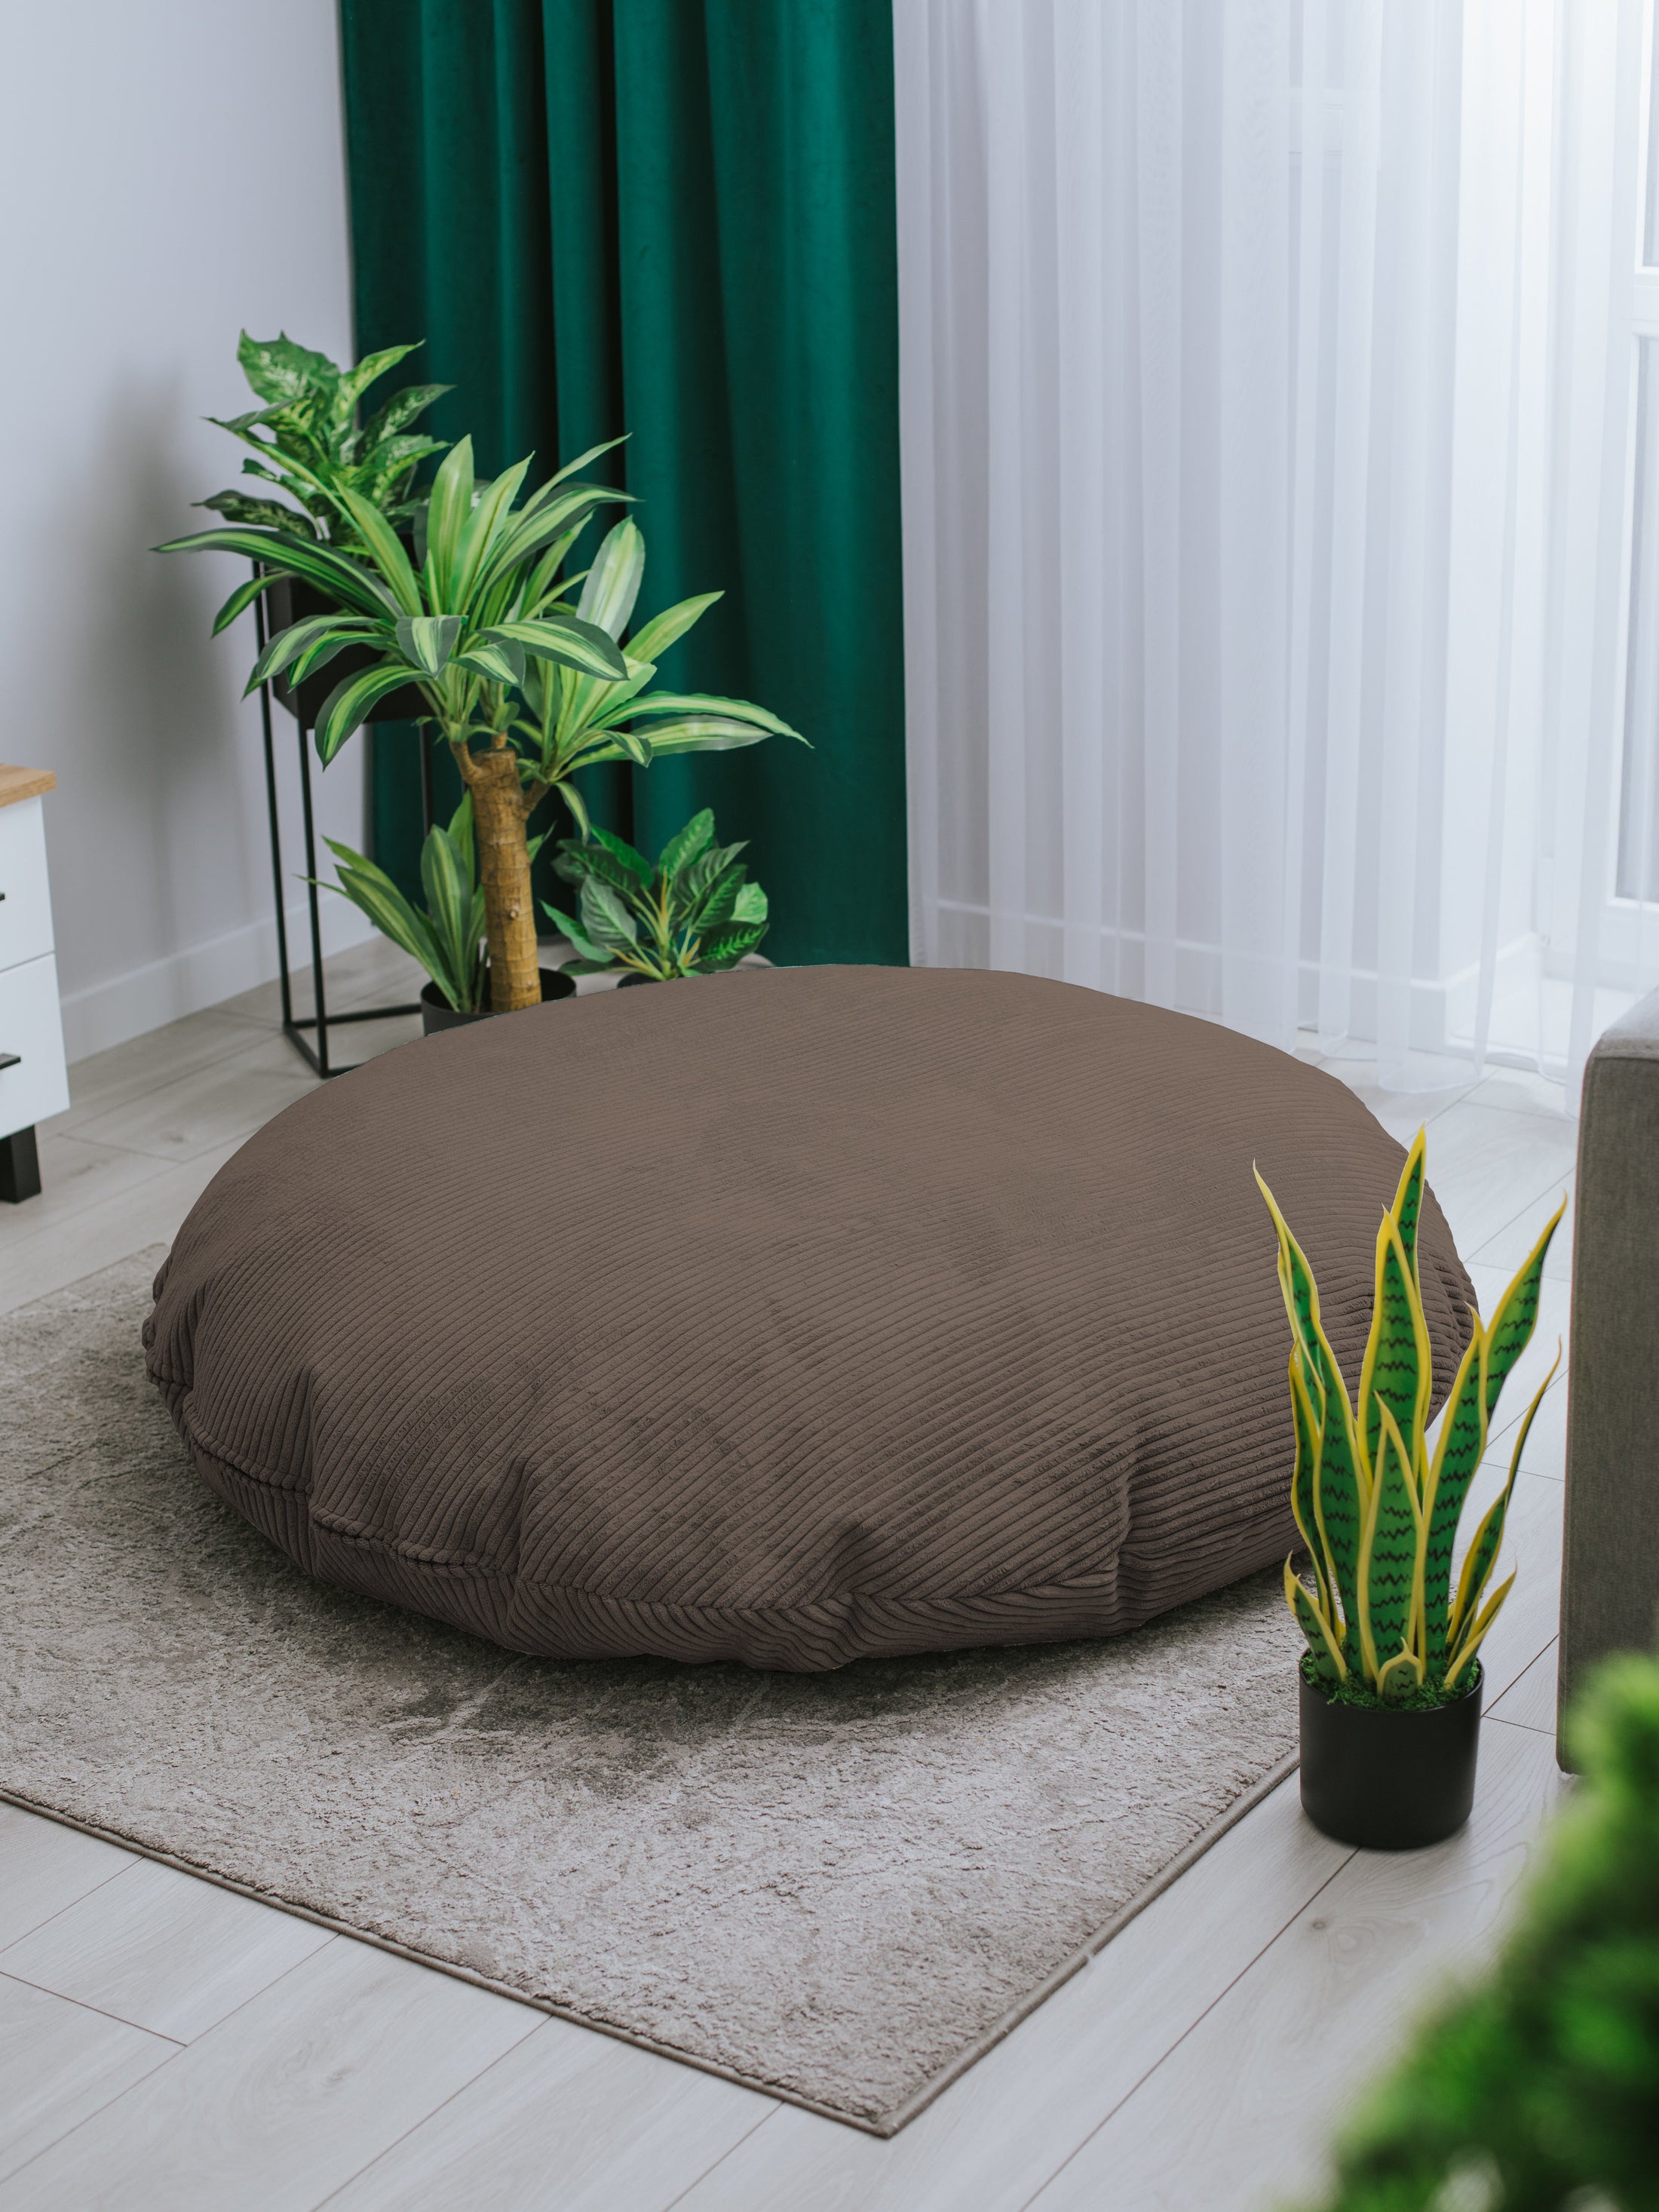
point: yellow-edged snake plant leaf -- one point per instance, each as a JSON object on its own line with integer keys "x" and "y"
{"x": 1329, "y": 1663}
{"x": 1303, "y": 1482}
{"x": 1458, "y": 1453}
{"x": 1408, "y": 1205}
{"x": 1483, "y": 1552}
{"x": 1396, "y": 1371}
{"x": 1511, "y": 1328}
{"x": 1469, "y": 1644}
{"x": 1388, "y": 1550}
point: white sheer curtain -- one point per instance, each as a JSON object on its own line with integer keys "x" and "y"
{"x": 1268, "y": 406}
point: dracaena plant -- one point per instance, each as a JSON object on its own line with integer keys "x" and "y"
{"x": 477, "y": 627}
{"x": 693, "y": 913}
{"x": 486, "y": 598}
{"x": 446, "y": 936}
{"x": 311, "y": 445}
{"x": 1376, "y": 1507}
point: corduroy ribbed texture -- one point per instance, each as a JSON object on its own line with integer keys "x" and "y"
{"x": 786, "y": 1316}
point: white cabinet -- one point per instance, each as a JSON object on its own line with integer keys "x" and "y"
{"x": 34, "y": 1081}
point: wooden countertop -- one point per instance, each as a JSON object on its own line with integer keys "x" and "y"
{"x": 24, "y": 783}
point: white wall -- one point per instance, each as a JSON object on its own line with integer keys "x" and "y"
{"x": 170, "y": 172}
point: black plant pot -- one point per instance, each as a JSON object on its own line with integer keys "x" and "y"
{"x": 437, "y": 1013}
{"x": 289, "y": 601}
{"x": 1388, "y": 1781}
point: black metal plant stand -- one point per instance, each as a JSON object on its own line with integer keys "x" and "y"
{"x": 295, "y": 1025}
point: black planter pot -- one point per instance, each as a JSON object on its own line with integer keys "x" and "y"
{"x": 289, "y": 601}
{"x": 437, "y": 1013}
{"x": 1388, "y": 1781}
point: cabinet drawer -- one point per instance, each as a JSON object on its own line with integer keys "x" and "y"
{"x": 25, "y": 901}
{"x": 32, "y": 1027}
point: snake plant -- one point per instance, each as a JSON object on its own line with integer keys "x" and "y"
{"x": 311, "y": 445}
{"x": 693, "y": 913}
{"x": 1378, "y": 1510}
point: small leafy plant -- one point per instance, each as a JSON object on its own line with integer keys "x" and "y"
{"x": 311, "y": 445}
{"x": 693, "y": 913}
{"x": 1377, "y": 1510}
{"x": 447, "y": 935}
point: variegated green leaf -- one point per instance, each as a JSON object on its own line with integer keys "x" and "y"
{"x": 243, "y": 598}
{"x": 1458, "y": 1453}
{"x": 1408, "y": 1200}
{"x": 1329, "y": 1663}
{"x": 707, "y": 704}
{"x": 498, "y": 661}
{"x": 385, "y": 548}
{"x": 605, "y": 920}
{"x": 1303, "y": 1483}
{"x": 688, "y": 843}
{"x": 572, "y": 929}
{"x": 1396, "y": 1372}
{"x": 347, "y": 705}
{"x": 1469, "y": 1644}
{"x": 613, "y": 582}
{"x": 1511, "y": 1328}
{"x": 652, "y": 639}
{"x": 1400, "y": 1675}
{"x": 446, "y": 513}
{"x": 695, "y": 734}
{"x": 567, "y": 640}
{"x": 1387, "y": 1551}
{"x": 426, "y": 642}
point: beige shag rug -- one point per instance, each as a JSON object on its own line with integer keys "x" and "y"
{"x": 836, "y": 1888}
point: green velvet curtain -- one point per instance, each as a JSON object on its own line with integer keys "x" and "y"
{"x": 674, "y": 217}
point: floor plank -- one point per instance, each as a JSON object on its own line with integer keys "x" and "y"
{"x": 98, "y": 1236}
{"x": 162, "y": 1950}
{"x": 1530, "y": 1701}
{"x": 128, "y": 1070}
{"x": 1511, "y": 1247}
{"x": 44, "y": 1867}
{"x": 1485, "y": 1165}
{"x": 60, "y": 2063}
{"x": 996, "y": 2134}
{"x": 204, "y": 1108}
{"x": 569, "y": 2121}
{"x": 280, "y": 2104}
{"x": 1241, "y": 2111}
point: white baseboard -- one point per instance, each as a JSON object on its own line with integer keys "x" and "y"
{"x": 102, "y": 1014}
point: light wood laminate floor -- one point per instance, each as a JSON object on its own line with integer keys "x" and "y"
{"x": 166, "y": 2045}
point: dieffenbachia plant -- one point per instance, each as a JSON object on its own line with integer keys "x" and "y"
{"x": 310, "y": 444}
{"x": 692, "y": 913}
{"x": 1378, "y": 1510}
{"x": 475, "y": 627}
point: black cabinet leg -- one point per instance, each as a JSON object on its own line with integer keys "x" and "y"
{"x": 20, "y": 1167}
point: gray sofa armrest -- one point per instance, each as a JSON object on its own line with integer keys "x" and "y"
{"x": 1610, "y": 1564}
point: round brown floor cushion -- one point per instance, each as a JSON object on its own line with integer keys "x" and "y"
{"x": 784, "y": 1315}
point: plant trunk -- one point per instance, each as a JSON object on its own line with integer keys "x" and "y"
{"x": 498, "y": 825}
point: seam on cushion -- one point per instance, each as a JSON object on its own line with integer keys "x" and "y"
{"x": 412, "y": 1556}
{"x": 199, "y": 1438}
